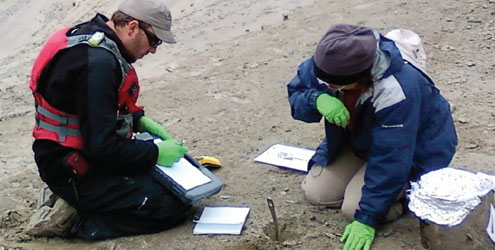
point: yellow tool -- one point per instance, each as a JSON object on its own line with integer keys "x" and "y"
{"x": 208, "y": 161}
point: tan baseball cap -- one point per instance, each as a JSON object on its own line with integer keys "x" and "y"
{"x": 153, "y": 12}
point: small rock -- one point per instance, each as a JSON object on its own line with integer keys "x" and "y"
{"x": 312, "y": 235}
{"x": 292, "y": 202}
{"x": 289, "y": 243}
{"x": 470, "y": 64}
{"x": 253, "y": 65}
{"x": 453, "y": 108}
{"x": 332, "y": 235}
{"x": 12, "y": 218}
{"x": 328, "y": 224}
{"x": 310, "y": 44}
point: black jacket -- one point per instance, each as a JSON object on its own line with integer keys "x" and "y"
{"x": 84, "y": 80}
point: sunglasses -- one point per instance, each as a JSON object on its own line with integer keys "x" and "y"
{"x": 332, "y": 86}
{"x": 152, "y": 39}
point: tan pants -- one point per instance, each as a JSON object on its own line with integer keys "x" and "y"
{"x": 339, "y": 185}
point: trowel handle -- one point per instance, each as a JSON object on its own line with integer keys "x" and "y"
{"x": 271, "y": 206}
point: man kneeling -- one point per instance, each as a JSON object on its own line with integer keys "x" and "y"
{"x": 85, "y": 90}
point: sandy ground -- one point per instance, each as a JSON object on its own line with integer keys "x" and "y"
{"x": 221, "y": 88}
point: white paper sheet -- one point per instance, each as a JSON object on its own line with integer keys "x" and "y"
{"x": 221, "y": 220}
{"x": 185, "y": 174}
{"x": 286, "y": 156}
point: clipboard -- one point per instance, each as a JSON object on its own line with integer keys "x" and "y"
{"x": 174, "y": 178}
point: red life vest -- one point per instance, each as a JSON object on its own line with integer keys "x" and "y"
{"x": 62, "y": 127}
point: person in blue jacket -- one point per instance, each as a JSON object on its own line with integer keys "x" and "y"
{"x": 385, "y": 124}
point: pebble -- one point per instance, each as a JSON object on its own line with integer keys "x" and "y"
{"x": 470, "y": 64}
{"x": 332, "y": 235}
{"x": 289, "y": 243}
{"x": 472, "y": 146}
{"x": 312, "y": 235}
{"x": 292, "y": 202}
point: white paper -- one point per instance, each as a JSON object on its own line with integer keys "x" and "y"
{"x": 185, "y": 174}
{"x": 221, "y": 220}
{"x": 234, "y": 229}
{"x": 286, "y": 156}
{"x": 224, "y": 215}
{"x": 490, "y": 229}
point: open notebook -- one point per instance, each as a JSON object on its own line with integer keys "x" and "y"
{"x": 221, "y": 220}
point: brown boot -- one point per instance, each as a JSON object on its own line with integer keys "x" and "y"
{"x": 52, "y": 221}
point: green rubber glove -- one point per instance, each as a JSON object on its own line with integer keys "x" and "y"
{"x": 170, "y": 151}
{"x": 145, "y": 124}
{"x": 358, "y": 236}
{"x": 333, "y": 110}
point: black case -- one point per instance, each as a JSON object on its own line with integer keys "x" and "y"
{"x": 195, "y": 194}
{"x": 188, "y": 196}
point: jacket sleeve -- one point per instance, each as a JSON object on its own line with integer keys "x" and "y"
{"x": 390, "y": 159}
{"x": 97, "y": 102}
{"x": 303, "y": 90}
{"x": 135, "y": 120}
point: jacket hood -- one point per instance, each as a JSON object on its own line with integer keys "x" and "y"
{"x": 387, "y": 58}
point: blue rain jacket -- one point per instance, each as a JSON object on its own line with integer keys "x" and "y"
{"x": 403, "y": 127}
